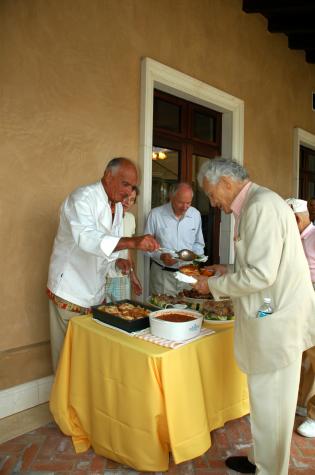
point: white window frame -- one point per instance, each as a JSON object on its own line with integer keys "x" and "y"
{"x": 157, "y": 75}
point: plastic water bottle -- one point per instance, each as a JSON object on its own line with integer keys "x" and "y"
{"x": 265, "y": 309}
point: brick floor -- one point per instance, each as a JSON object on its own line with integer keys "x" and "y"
{"x": 47, "y": 451}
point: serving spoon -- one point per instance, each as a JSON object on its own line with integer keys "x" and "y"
{"x": 186, "y": 255}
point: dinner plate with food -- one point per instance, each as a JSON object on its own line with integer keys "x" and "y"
{"x": 187, "y": 279}
{"x": 188, "y": 273}
{"x": 215, "y": 320}
{"x": 193, "y": 270}
{"x": 218, "y": 312}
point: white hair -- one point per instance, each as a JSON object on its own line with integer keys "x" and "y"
{"x": 213, "y": 169}
{"x": 175, "y": 187}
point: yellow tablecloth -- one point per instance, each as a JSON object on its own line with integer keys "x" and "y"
{"x": 134, "y": 401}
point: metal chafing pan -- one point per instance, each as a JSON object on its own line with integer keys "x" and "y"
{"x": 119, "y": 322}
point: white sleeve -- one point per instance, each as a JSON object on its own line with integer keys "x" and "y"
{"x": 87, "y": 236}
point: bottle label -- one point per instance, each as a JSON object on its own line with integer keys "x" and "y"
{"x": 261, "y": 314}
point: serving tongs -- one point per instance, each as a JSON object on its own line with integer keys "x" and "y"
{"x": 184, "y": 255}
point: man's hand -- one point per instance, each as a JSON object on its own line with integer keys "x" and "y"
{"x": 136, "y": 286}
{"x": 202, "y": 284}
{"x": 146, "y": 243}
{"x": 218, "y": 269}
{"x": 167, "y": 259}
{"x": 123, "y": 265}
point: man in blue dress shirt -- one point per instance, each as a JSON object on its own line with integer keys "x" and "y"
{"x": 175, "y": 225}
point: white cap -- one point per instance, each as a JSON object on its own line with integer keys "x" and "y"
{"x": 298, "y": 206}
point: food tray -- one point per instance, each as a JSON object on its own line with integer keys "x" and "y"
{"x": 195, "y": 303}
{"x": 166, "y": 301}
{"x": 119, "y": 322}
{"x": 217, "y": 311}
{"x": 175, "y": 331}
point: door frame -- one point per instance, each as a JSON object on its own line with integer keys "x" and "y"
{"x": 162, "y": 77}
{"x": 300, "y": 137}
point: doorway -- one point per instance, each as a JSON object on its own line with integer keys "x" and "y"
{"x": 155, "y": 75}
{"x": 307, "y": 173}
{"x": 185, "y": 135}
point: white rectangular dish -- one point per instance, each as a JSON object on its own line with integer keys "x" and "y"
{"x": 175, "y": 330}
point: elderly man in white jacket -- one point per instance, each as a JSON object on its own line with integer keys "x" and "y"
{"x": 269, "y": 262}
{"x": 87, "y": 246}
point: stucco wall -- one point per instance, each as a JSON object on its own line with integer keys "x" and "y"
{"x": 69, "y": 101}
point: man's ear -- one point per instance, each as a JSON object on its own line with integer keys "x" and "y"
{"x": 107, "y": 176}
{"x": 227, "y": 181}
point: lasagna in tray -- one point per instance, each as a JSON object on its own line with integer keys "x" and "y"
{"x": 127, "y": 311}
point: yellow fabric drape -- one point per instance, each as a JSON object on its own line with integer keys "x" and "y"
{"x": 134, "y": 401}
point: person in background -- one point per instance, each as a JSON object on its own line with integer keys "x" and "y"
{"x": 87, "y": 245}
{"x": 119, "y": 287}
{"x": 307, "y": 382}
{"x": 269, "y": 262}
{"x": 176, "y": 225}
{"x": 311, "y": 208}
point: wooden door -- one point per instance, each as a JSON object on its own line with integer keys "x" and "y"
{"x": 184, "y": 136}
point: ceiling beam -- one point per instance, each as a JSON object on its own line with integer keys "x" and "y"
{"x": 291, "y": 24}
{"x": 294, "y": 18}
{"x": 278, "y": 6}
{"x": 301, "y": 41}
{"x": 310, "y": 56}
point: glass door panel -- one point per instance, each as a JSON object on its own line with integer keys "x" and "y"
{"x": 165, "y": 171}
{"x": 167, "y": 116}
{"x": 203, "y": 127}
{"x": 307, "y": 173}
{"x": 311, "y": 188}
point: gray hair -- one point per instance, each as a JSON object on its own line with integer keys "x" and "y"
{"x": 116, "y": 163}
{"x": 214, "y": 169}
{"x": 174, "y": 188}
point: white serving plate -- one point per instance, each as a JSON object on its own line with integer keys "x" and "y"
{"x": 175, "y": 331}
{"x": 219, "y": 322}
{"x": 188, "y": 279}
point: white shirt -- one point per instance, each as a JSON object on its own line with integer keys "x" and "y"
{"x": 174, "y": 233}
{"x": 83, "y": 249}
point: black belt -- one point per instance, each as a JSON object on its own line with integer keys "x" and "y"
{"x": 168, "y": 269}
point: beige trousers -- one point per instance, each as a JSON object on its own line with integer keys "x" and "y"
{"x": 272, "y": 417}
{"x": 164, "y": 282}
{"x": 58, "y": 321}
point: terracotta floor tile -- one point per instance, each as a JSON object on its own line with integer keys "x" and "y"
{"x": 7, "y": 464}
{"x": 47, "y": 451}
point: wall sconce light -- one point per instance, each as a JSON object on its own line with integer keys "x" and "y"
{"x": 159, "y": 155}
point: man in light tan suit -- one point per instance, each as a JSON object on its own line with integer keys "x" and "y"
{"x": 269, "y": 262}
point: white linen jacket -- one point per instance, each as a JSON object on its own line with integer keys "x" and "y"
{"x": 269, "y": 262}
{"x": 83, "y": 248}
